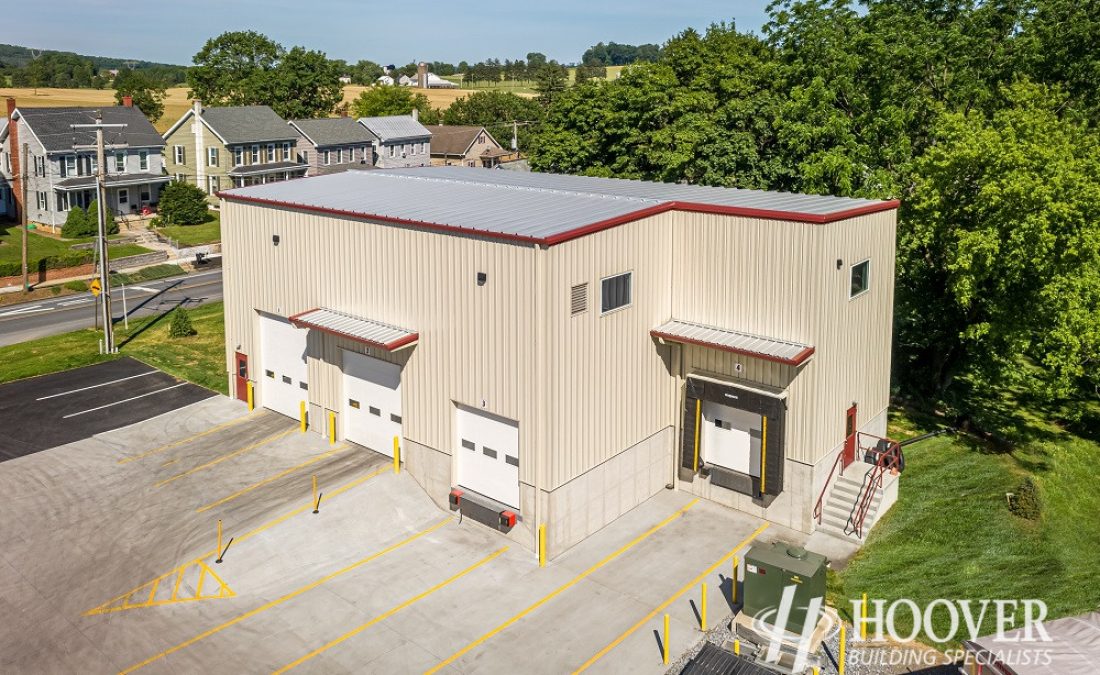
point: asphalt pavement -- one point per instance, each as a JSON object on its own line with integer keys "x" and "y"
{"x": 51, "y": 410}
{"x": 42, "y": 318}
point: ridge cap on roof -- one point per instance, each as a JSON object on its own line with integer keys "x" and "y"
{"x": 391, "y": 173}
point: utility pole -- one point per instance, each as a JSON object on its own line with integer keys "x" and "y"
{"x": 101, "y": 202}
{"x": 23, "y": 217}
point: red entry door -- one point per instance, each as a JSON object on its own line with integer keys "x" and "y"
{"x": 849, "y": 438}
{"x": 242, "y": 376}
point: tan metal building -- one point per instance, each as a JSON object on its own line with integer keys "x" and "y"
{"x": 561, "y": 348}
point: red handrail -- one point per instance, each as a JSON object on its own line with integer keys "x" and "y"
{"x": 825, "y": 487}
{"x": 889, "y": 458}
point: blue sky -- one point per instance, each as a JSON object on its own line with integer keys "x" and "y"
{"x": 388, "y": 32}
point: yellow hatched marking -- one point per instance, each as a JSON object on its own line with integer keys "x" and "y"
{"x": 390, "y": 612}
{"x": 219, "y": 460}
{"x": 176, "y": 444}
{"x": 672, "y": 598}
{"x": 289, "y": 596}
{"x": 149, "y": 591}
{"x": 281, "y": 474}
{"x": 560, "y": 589}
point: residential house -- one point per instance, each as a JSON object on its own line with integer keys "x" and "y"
{"x": 232, "y": 147}
{"x": 466, "y": 146}
{"x": 62, "y": 162}
{"x": 399, "y": 141}
{"x": 334, "y": 144}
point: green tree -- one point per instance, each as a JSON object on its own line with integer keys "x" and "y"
{"x": 999, "y": 251}
{"x": 78, "y": 224}
{"x": 181, "y": 324}
{"x": 365, "y": 73}
{"x": 182, "y": 203}
{"x": 550, "y": 81}
{"x": 496, "y": 110}
{"x": 231, "y": 69}
{"x": 304, "y": 84}
{"x": 380, "y": 101}
{"x": 147, "y": 93}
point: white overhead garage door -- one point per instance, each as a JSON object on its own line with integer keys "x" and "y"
{"x": 487, "y": 447}
{"x": 372, "y": 402}
{"x": 731, "y": 438}
{"x": 283, "y": 366}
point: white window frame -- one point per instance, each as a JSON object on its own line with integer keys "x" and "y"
{"x": 326, "y": 157}
{"x": 286, "y": 152}
{"x": 238, "y": 156}
{"x": 304, "y": 157}
{"x": 120, "y": 161}
{"x": 270, "y": 152}
{"x": 178, "y": 154}
{"x": 255, "y": 154}
{"x": 143, "y": 160}
{"x": 213, "y": 184}
{"x": 181, "y": 178}
{"x": 866, "y": 280}
{"x": 630, "y": 299}
{"x": 63, "y": 201}
{"x": 393, "y": 151}
{"x": 43, "y": 201}
{"x": 212, "y": 156}
{"x": 123, "y": 192}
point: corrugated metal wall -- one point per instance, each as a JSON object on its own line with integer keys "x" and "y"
{"x": 476, "y": 343}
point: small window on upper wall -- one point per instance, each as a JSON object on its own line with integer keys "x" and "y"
{"x": 861, "y": 278}
{"x": 615, "y": 292}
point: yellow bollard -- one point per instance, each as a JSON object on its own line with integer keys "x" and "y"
{"x": 863, "y": 619}
{"x": 733, "y": 583}
{"x": 314, "y": 502}
{"x": 302, "y": 415}
{"x": 542, "y": 545}
{"x": 737, "y": 647}
{"x": 817, "y": 671}
{"x": 842, "y": 649}
{"x": 219, "y": 549}
{"x": 703, "y": 609}
{"x": 251, "y": 398}
{"x": 396, "y": 454}
{"x": 332, "y": 428}
{"x": 664, "y": 643}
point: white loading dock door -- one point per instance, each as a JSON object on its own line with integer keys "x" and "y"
{"x": 283, "y": 385}
{"x": 487, "y": 449}
{"x": 372, "y": 402}
{"x": 731, "y": 438}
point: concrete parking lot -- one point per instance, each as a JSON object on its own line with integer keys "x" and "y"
{"x": 110, "y": 548}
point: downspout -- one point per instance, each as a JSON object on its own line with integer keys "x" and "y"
{"x": 200, "y": 164}
{"x": 53, "y": 211}
{"x": 541, "y": 252}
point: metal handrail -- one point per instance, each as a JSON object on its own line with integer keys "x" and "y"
{"x": 888, "y": 459}
{"x": 824, "y": 488}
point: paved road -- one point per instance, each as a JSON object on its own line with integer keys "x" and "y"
{"x": 27, "y": 321}
{"x": 51, "y": 410}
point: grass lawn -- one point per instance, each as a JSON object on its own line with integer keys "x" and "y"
{"x": 194, "y": 235}
{"x": 952, "y": 536}
{"x": 39, "y": 246}
{"x": 199, "y": 358}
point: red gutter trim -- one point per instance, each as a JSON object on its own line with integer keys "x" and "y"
{"x": 297, "y": 321}
{"x": 797, "y": 360}
{"x": 768, "y": 214}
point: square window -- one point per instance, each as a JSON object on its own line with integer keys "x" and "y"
{"x": 861, "y": 278}
{"x": 615, "y": 292}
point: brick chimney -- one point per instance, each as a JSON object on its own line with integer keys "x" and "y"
{"x": 128, "y": 101}
{"x": 16, "y": 153}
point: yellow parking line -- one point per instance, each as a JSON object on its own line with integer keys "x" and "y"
{"x": 672, "y": 598}
{"x": 175, "y": 444}
{"x": 390, "y": 612}
{"x": 276, "y": 477}
{"x": 560, "y": 589}
{"x": 289, "y": 596}
{"x": 231, "y": 455}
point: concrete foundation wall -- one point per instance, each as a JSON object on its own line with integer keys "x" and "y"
{"x": 792, "y": 508}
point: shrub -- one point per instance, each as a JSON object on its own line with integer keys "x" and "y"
{"x": 181, "y": 324}
{"x": 183, "y": 204}
{"x": 78, "y": 224}
{"x": 1025, "y": 502}
{"x": 78, "y": 286}
{"x": 55, "y": 289}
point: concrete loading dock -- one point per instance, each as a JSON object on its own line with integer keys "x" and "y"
{"x": 590, "y": 328}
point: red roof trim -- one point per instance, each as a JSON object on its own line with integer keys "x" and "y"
{"x": 297, "y": 321}
{"x": 797, "y": 360}
{"x": 769, "y": 214}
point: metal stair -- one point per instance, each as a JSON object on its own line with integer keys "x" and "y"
{"x": 840, "y": 506}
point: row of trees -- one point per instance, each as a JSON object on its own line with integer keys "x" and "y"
{"x": 981, "y": 117}
{"x": 615, "y": 54}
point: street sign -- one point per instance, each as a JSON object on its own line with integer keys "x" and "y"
{"x": 96, "y": 288}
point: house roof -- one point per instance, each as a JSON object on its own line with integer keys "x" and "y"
{"x": 531, "y": 207}
{"x": 248, "y": 124}
{"x": 737, "y": 342}
{"x": 1073, "y": 647}
{"x": 53, "y": 127}
{"x": 395, "y": 127}
{"x": 332, "y": 131}
{"x": 112, "y": 180}
{"x": 272, "y": 167}
{"x": 455, "y": 140}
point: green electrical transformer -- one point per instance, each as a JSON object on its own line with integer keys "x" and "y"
{"x": 770, "y": 568}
